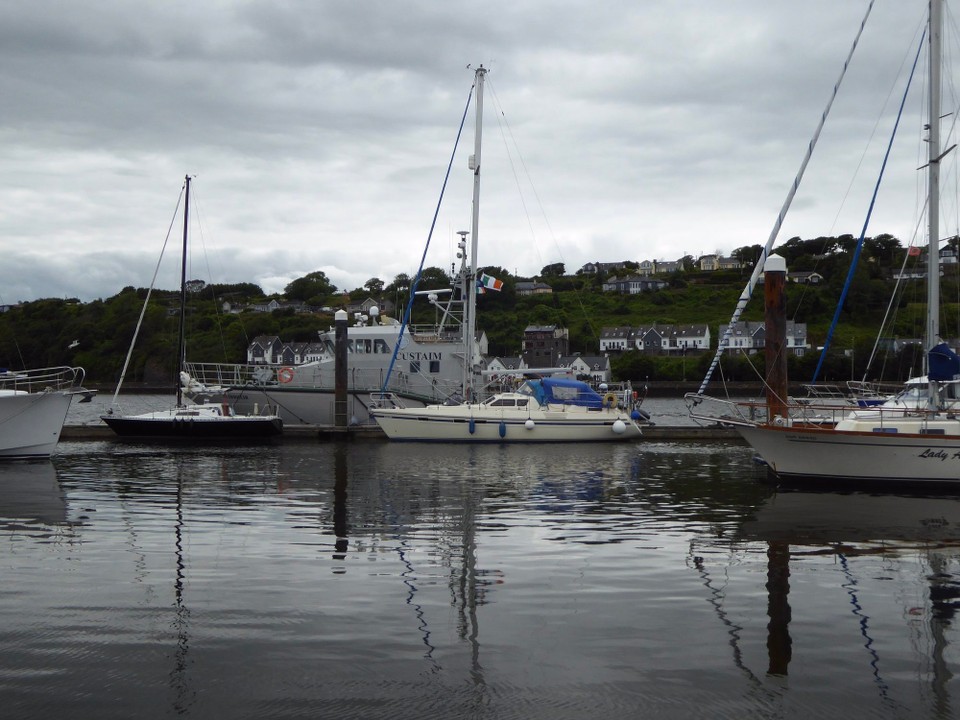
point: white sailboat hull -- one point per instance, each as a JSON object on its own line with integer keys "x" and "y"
{"x": 30, "y": 423}
{"x": 876, "y": 458}
{"x": 462, "y": 423}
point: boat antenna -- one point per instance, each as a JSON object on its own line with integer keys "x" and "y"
{"x": 758, "y": 267}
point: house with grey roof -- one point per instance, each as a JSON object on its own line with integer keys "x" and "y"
{"x": 632, "y": 284}
{"x": 615, "y": 339}
{"x": 264, "y": 349}
{"x": 532, "y": 287}
{"x": 749, "y": 336}
{"x": 694, "y": 336}
{"x": 593, "y": 368}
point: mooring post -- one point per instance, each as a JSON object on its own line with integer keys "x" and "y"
{"x": 775, "y": 338}
{"x": 340, "y": 370}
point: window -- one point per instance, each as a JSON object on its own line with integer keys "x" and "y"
{"x": 414, "y": 367}
{"x": 434, "y": 366}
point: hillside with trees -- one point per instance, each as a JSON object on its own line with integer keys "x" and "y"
{"x": 96, "y": 335}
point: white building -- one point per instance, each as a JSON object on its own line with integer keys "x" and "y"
{"x": 750, "y": 337}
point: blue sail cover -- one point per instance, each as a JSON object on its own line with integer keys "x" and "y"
{"x": 944, "y": 363}
{"x": 564, "y": 391}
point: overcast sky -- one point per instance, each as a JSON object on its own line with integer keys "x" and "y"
{"x": 319, "y": 133}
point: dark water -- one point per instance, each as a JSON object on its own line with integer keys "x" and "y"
{"x": 377, "y": 580}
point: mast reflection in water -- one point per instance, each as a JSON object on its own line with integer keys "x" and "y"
{"x": 389, "y": 580}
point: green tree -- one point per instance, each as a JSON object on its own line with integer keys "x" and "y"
{"x": 433, "y": 278}
{"x": 400, "y": 283}
{"x": 312, "y": 285}
{"x": 748, "y": 255}
{"x": 883, "y": 248}
{"x": 553, "y": 270}
{"x": 234, "y": 290}
{"x": 374, "y": 286}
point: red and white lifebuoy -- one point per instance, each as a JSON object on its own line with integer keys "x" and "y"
{"x": 285, "y": 374}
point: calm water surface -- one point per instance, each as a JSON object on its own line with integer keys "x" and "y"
{"x": 375, "y": 580}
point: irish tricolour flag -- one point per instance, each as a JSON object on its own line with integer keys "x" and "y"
{"x": 490, "y": 283}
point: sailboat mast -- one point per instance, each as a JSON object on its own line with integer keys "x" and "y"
{"x": 181, "y": 339}
{"x": 471, "y": 309}
{"x": 933, "y": 170}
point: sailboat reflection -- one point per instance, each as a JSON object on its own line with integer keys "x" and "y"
{"x": 31, "y": 499}
{"x": 851, "y": 526}
{"x": 184, "y": 696}
{"x": 433, "y": 535}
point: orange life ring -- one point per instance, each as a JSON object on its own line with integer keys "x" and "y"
{"x": 285, "y": 374}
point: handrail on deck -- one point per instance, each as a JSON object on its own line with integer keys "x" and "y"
{"x": 42, "y": 379}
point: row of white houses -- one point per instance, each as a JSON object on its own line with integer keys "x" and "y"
{"x": 655, "y": 338}
{"x": 663, "y": 267}
{"x": 271, "y": 350}
{"x": 660, "y": 339}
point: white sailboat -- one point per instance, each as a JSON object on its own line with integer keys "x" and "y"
{"x": 896, "y": 443}
{"x": 33, "y": 408}
{"x": 190, "y": 422}
{"x": 541, "y": 410}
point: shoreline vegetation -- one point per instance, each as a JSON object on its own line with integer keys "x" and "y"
{"x": 224, "y": 319}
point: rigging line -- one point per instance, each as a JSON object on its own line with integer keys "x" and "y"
{"x": 16, "y": 344}
{"x": 864, "y": 621}
{"x": 734, "y": 630}
{"x": 866, "y": 221}
{"x": 410, "y": 578}
{"x": 873, "y": 132}
{"x": 951, "y": 18}
{"x": 14, "y": 340}
{"x": 863, "y": 155}
{"x": 536, "y": 195}
{"x": 893, "y": 297}
{"x": 206, "y": 261}
{"x": 423, "y": 259}
{"x": 758, "y": 269}
{"x": 501, "y": 122}
{"x": 143, "y": 310}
